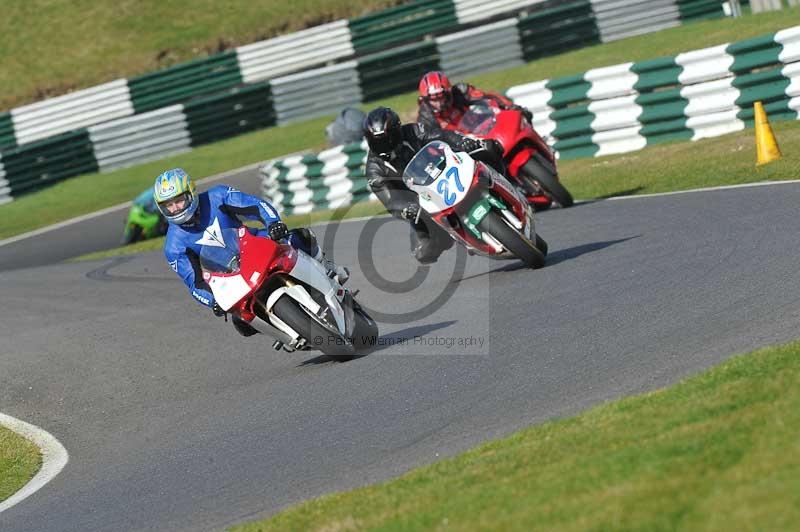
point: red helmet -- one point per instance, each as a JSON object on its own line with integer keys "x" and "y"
{"x": 436, "y": 89}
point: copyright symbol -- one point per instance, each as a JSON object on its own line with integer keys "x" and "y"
{"x": 366, "y": 238}
{"x": 318, "y": 340}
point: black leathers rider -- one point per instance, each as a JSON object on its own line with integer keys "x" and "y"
{"x": 392, "y": 145}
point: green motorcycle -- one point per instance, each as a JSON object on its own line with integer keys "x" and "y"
{"x": 144, "y": 220}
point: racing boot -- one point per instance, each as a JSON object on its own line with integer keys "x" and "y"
{"x": 341, "y": 273}
{"x": 306, "y": 240}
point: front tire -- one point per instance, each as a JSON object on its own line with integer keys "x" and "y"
{"x": 513, "y": 241}
{"x": 365, "y": 335}
{"x": 317, "y": 335}
{"x": 535, "y": 170}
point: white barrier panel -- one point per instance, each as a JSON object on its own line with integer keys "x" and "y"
{"x": 705, "y": 65}
{"x": 140, "y": 138}
{"x": 72, "y": 111}
{"x": 490, "y": 47}
{"x": 5, "y": 190}
{"x": 474, "y": 10}
{"x": 712, "y": 108}
{"x": 618, "y": 19}
{"x": 610, "y": 82}
{"x": 316, "y": 92}
{"x": 295, "y": 52}
{"x": 535, "y": 97}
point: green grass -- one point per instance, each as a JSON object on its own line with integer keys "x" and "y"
{"x": 718, "y": 451}
{"x": 50, "y": 47}
{"x": 88, "y": 193}
{"x": 19, "y": 462}
{"x": 726, "y": 160}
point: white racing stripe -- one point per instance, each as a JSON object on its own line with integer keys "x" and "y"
{"x": 54, "y": 458}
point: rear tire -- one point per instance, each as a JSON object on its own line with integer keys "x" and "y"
{"x": 317, "y": 335}
{"x": 513, "y": 241}
{"x": 535, "y": 170}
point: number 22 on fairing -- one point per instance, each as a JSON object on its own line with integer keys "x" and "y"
{"x": 443, "y": 186}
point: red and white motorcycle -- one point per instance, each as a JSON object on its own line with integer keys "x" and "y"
{"x": 285, "y": 294}
{"x": 475, "y": 204}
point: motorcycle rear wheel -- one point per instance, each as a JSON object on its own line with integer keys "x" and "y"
{"x": 317, "y": 335}
{"x": 536, "y": 171}
{"x": 512, "y": 240}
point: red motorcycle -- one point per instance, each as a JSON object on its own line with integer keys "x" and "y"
{"x": 285, "y": 294}
{"x": 530, "y": 162}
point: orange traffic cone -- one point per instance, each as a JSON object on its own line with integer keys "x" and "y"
{"x": 767, "y": 149}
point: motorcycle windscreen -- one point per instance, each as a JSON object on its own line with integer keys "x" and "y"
{"x": 427, "y": 165}
{"x": 479, "y": 119}
{"x": 220, "y": 251}
{"x": 440, "y": 177}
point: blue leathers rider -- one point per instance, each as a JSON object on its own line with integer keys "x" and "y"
{"x": 192, "y": 215}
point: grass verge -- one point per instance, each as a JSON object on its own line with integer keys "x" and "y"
{"x": 718, "y": 451}
{"x": 88, "y": 193}
{"x": 19, "y": 462}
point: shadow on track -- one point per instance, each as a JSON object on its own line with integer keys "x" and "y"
{"x": 554, "y": 257}
{"x": 401, "y": 337}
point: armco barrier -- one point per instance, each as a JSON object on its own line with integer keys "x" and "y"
{"x": 617, "y": 19}
{"x": 231, "y": 113}
{"x": 316, "y": 92}
{"x": 182, "y": 82}
{"x": 7, "y": 137}
{"x": 490, "y": 47}
{"x": 402, "y": 24}
{"x": 71, "y": 111}
{"x": 140, "y": 138}
{"x": 469, "y": 11}
{"x": 560, "y": 27}
{"x": 700, "y": 9}
{"x": 615, "y": 109}
{"x": 397, "y": 70}
{"x": 297, "y": 51}
{"x": 5, "y": 190}
{"x": 45, "y": 162}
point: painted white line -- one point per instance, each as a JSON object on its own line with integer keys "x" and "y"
{"x": 707, "y": 189}
{"x": 107, "y": 210}
{"x": 54, "y": 458}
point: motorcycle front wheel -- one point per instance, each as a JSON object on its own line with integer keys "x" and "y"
{"x": 318, "y": 335}
{"x": 512, "y": 240}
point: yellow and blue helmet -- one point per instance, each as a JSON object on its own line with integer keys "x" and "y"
{"x": 169, "y": 189}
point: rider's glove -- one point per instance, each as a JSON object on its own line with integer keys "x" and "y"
{"x": 278, "y": 231}
{"x": 470, "y": 145}
{"x": 410, "y": 211}
{"x": 217, "y": 310}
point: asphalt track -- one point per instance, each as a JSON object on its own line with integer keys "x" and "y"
{"x": 174, "y": 422}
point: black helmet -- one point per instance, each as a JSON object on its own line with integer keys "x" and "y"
{"x": 382, "y": 130}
